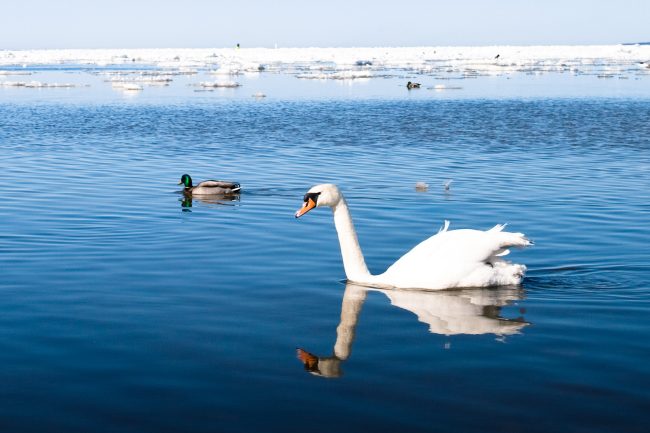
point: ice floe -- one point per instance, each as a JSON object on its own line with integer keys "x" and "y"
{"x": 216, "y": 84}
{"x": 432, "y": 60}
{"x": 152, "y": 80}
{"x": 131, "y": 87}
{"x": 339, "y": 75}
{"x": 15, "y": 72}
{"x": 133, "y": 69}
{"x": 35, "y": 84}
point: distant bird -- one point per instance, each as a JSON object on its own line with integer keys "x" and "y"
{"x": 447, "y": 184}
{"x": 497, "y": 56}
{"x": 410, "y": 85}
{"x": 209, "y": 187}
{"x": 421, "y": 186}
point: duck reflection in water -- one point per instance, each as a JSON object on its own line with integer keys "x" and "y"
{"x": 223, "y": 200}
{"x": 450, "y": 312}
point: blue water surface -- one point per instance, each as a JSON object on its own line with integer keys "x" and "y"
{"x": 124, "y": 307}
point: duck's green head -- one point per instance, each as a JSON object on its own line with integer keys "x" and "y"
{"x": 186, "y": 180}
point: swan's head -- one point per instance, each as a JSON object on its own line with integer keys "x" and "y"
{"x": 326, "y": 194}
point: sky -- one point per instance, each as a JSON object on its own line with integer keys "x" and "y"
{"x": 36, "y": 24}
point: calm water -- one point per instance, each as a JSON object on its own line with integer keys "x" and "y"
{"x": 124, "y": 309}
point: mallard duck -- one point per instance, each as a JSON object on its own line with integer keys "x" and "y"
{"x": 209, "y": 187}
{"x": 410, "y": 85}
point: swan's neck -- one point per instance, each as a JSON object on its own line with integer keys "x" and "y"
{"x": 353, "y": 261}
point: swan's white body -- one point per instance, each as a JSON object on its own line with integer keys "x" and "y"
{"x": 448, "y": 259}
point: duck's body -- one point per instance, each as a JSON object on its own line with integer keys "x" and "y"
{"x": 209, "y": 187}
{"x": 411, "y": 85}
{"x": 214, "y": 187}
{"x": 448, "y": 259}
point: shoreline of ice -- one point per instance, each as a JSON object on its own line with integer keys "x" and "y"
{"x": 211, "y": 69}
{"x": 483, "y": 60}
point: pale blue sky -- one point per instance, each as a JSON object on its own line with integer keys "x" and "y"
{"x": 28, "y": 24}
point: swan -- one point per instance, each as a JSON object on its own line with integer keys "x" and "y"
{"x": 208, "y": 187}
{"x": 448, "y": 259}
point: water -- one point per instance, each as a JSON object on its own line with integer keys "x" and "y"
{"x": 125, "y": 309}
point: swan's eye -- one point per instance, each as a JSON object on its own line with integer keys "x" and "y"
{"x": 311, "y": 195}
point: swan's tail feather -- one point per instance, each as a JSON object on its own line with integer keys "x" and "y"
{"x": 497, "y": 228}
{"x": 507, "y": 239}
{"x": 519, "y": 240}
{"x": 505, "y": 273}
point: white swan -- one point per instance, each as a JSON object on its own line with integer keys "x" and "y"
{"x": 448, "y": 259}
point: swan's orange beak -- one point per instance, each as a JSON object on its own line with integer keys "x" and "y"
{"x": 306, "y": 207}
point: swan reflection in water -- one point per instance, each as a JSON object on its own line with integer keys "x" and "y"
{"x": 451, "y": 312}
{"x": 224, "y": 200}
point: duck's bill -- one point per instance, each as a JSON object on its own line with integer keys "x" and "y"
{"x": 306, "y": 207}
{"x": 180, "y": 183}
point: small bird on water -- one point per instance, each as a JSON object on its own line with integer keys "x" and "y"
{"x": 209, "y": 187}
{"x": 410, "y": 85}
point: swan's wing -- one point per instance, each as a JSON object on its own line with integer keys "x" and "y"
{"x": 217, "y": 184}
{"x": 446, "y": 248}
{"x": 465, "y": 245}
{"x": 449, "y": 257}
